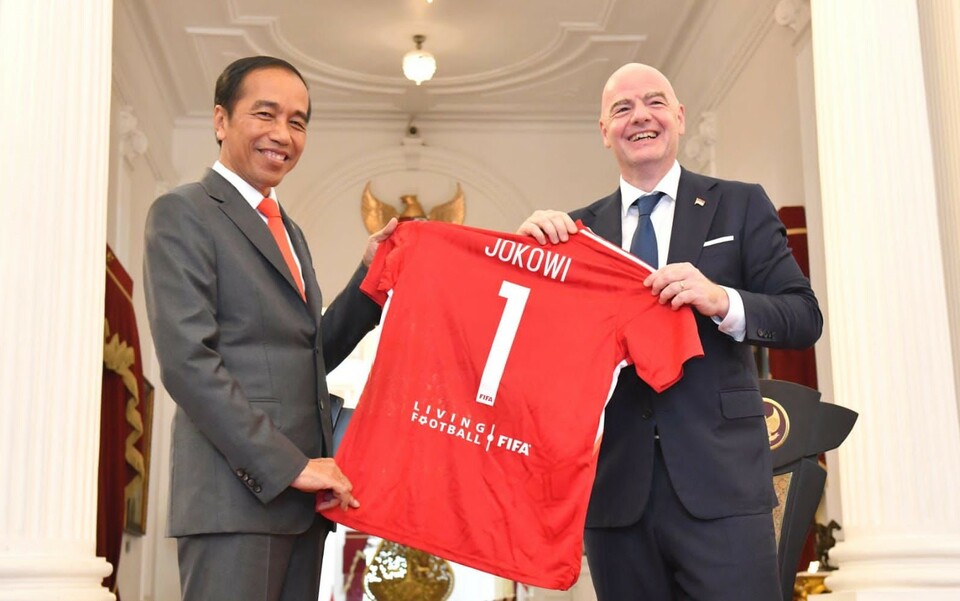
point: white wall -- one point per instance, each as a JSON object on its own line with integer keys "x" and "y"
{"x": 758, "y": 129}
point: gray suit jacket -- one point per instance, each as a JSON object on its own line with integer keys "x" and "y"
{"x": 244, "y": 358}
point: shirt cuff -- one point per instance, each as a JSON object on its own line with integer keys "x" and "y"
{"x": 734, "y": 324}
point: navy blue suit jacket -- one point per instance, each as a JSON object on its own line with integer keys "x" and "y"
{"x": 711, "y": 423}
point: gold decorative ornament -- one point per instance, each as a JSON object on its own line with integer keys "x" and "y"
{"x": 809, "y": 583}
{"x": 377, "y": 213}
{"x": 781, "y": 486}
{"x": 119, "y": 357}
{"x": 400, "y": 573}
{"x": 778, "y": 423}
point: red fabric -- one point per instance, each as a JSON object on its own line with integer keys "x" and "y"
{"x": 115, "y": 472}
{"x": 498, "y": 477}
{"x": 271, "y": 211}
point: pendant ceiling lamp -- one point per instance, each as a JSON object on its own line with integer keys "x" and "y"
{"x": 418, "y": 64}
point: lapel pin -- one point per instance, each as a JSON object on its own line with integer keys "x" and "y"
{"x": 699, "y": 202}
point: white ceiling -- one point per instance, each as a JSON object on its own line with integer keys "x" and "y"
{"x": 497, "y": 59}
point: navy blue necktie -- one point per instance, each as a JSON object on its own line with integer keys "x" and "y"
{"x": 644, "y": 244}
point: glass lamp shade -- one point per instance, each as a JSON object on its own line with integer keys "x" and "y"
{"x": 419, "y": 66}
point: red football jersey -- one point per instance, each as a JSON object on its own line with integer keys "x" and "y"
{"x": 476, "y": 435}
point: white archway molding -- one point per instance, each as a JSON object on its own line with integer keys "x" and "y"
{"x": 348, "y": 178}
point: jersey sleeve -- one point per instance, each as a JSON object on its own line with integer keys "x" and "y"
{"x": 386, "y": 266}
{"x": 659, "y": 341}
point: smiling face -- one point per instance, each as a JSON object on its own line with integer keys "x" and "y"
{"x": 641, "y": 120}
{"x": 263, "y": 136}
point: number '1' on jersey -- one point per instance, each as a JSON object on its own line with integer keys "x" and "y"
{"x": 476, "y": 435}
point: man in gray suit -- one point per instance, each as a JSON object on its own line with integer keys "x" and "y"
{"x": 235, "y": 313}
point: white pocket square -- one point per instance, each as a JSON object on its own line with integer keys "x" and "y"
{"x": 719, "y": 240}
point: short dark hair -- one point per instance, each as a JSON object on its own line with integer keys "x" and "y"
{"x": 227, "y": 90}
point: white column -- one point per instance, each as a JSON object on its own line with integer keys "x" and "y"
{"x": 940, "y": 36}
{"x": 55, "y": 85}
{"x": 891, "y": 359}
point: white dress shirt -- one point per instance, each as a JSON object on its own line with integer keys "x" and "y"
{"x": 735, "y": 323}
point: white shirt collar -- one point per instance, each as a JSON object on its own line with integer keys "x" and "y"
{"x": 249, "y": 193}
{"x": 668, "y": 185}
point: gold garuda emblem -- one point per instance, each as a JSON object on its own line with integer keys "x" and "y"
{"x": 376, "y": 213}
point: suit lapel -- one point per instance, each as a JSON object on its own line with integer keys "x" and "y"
{"x": 697, "y": 202}
{"x": 607, "y": 220}
{"x": 238, "y": 210}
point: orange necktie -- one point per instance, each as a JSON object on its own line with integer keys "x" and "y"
{"x": 268, "y": 207}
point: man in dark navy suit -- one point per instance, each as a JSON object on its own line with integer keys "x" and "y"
{"x": 681, "y": 506}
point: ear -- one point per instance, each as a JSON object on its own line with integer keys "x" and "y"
{"x": 681, "y": 121}
{"x": 603, "y": 133}
{"x": 220, "y": 119}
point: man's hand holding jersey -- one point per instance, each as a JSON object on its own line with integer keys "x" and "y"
{"x": 555, "y": 226}
{"x": 678, "y": 284}
{"x": 322, "y": 476}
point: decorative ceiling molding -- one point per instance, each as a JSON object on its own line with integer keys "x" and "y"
{"x": 557, "y": 67}
{"x": 572, "y": 41}
{"x": 201, "y": 38}
{"x": 703, "y": 95}
{"x": 566, "y": 82}
{"x": 160, "y": 166}
{"x": 139, "y": 20}
{"x": 700, "y": 147}
{"x": 537, "y": 60}
{"x": 145, "y": 26}
{"x": 794, "y": 14}
{"x": 692, "y": 26}
{"x": 133, "y": 141}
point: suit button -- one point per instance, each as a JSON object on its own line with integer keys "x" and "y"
{"x": 240, "y": 473}
{"x": 647, "y": 414}
{"x": 257, "y": 489}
